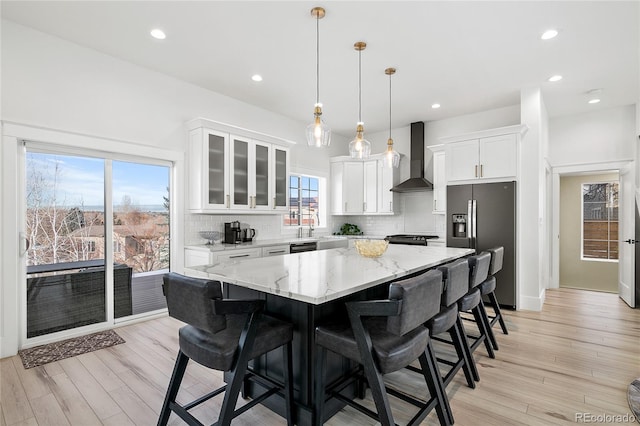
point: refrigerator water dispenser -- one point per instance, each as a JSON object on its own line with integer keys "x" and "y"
{"x": 459, "y": 225}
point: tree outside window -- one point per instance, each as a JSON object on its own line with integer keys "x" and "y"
{"x": 304, "y": 199}
{"x": 600, "y": 220}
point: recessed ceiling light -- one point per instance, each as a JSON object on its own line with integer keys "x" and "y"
{"x": 158, "y": 33}
{"x": 256, "y": 77}
{"x": 555, "y": 78}
{"x": 549, "y": 34}
{"x": 594, "y": 101}
{"x": 435, "y": 106}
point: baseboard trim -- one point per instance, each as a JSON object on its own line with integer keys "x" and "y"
{"x": 532, "y": 303}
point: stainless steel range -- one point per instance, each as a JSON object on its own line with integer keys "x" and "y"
{"x": 415, "y": 240}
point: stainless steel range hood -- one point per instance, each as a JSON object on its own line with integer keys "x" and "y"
{"x": 416, "y": 181}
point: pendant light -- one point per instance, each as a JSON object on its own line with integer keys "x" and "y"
{"x": 391, "y": 157}
{"x": 318, "y": 133}
{"x": 360, "y": 148}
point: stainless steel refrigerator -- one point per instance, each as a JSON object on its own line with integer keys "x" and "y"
{"x": 482, "y": 216}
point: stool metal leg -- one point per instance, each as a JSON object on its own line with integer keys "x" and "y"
{"x": 429, "y": 366}
{"x": 174, "y": 385}
{"x": 484, "y": 335}
{"x": 459, "y": 340}
{"x": 496, "y": 308}
{"x": 467, "y": 349}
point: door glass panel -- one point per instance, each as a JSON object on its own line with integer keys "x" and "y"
{"x": 65, "y": 228}
{"x": 140, "y": 236}
{"x": 262, "y": 175}
{"x": 281, "y": 178}
{"x": 216, "y": 169}
{"x": 240, "y": 172}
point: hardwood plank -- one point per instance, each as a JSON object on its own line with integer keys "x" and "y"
{"x": 133, "y": 406}
{"x": 15, "y": 403}
{"x": 576, "y": 356}
{"x": 34, "y": 380}
{"x": 73, "y": 405}
{"x": 47, "y": 411}
{"x": 120, "y": 419}
{"x": 107, "y": 378}
{"x": 90, "y": 389}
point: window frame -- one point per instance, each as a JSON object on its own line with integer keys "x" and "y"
{"x": 322, "y": 200}
{"x": 582, "y": 256}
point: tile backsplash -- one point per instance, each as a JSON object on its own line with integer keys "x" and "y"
{"x": 413, "y": 215}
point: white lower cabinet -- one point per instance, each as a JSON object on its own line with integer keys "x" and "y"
{"x": 275, "y": 250}
{"x": 194, "y": 257}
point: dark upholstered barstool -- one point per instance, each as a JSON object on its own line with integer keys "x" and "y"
{"x": 385, "y": 336}
{"x": 472, "y": 301}
{"x": 223, "y": 335}
{"x": 488, "y": 287}
{"x": 456, "y": 284}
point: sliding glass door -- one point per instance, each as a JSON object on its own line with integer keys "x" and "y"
{"x": 98, "y": 239}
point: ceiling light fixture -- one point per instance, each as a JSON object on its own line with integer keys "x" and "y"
{"x": 360, "y": 147}
{"x": 435, "y": 106}
{"x": 256, "y": 77}
{"x": 391, "y": 157}
{"x": 318, "y": 133}
{"x": 594, "y": 95}
{"x": 549, "y": 34}
{"x": 158, "y": 34}
{"x": 555, "y": 78}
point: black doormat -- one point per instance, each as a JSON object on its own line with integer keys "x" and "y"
{"x": 44, "y": 354}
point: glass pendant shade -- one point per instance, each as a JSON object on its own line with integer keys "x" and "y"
{"x": 318, "y": 133}
{"x": 359, "y": 147}
{"x": 391, "y": 157}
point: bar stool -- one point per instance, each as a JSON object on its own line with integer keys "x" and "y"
{"x": 456, "y": 284}
{"x": 488, "y": 287}
{"x": 472, "y": 302}
{"x": 223, "y": 335}
{"x": 385, "y": 336}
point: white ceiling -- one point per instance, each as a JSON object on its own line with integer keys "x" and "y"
{"x": 467, "y": 56}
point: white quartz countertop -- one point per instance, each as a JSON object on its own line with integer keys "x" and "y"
{"x": 320, "y": 276}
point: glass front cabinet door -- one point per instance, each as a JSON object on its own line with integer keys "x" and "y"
{"x": 230, "y": 171}
{"x": 280, "y": 178}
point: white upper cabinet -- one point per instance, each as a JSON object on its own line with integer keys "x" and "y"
{"x": 489, "y": 155}
{"x": 229, "y": 171}
{"x": 370, "y": 183}
{"x": 361, "y": 187}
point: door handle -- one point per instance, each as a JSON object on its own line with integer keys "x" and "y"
{"x": 630, "y": 241}
{"x": 476, "y": 173}
{"x": 274, "y": 203}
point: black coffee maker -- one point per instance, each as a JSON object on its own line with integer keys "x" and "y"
{"x": 232, "y": 232}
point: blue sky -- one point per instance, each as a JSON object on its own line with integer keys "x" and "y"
{"x": 81, "y": 179}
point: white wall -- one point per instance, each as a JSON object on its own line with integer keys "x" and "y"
{"x": 599, "y": 136}
{"x": 50, "y": 83}
{"x": 531, "y": 202}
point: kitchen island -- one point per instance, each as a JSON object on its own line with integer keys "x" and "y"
{"x": 310, "y": 288}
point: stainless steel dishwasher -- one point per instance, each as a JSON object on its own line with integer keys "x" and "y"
{"x": 300, "y": 247}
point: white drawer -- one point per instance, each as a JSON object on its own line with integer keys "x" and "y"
{"x": 237, "y": 254}
{"x": 275, "y": 250}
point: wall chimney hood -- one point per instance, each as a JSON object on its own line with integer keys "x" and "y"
{"x": 416, "y": 181}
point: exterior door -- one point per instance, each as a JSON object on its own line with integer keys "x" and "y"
{"x": 626, "y": 236}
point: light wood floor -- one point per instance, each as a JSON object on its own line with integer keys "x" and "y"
{"x": 576, "y": 356}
